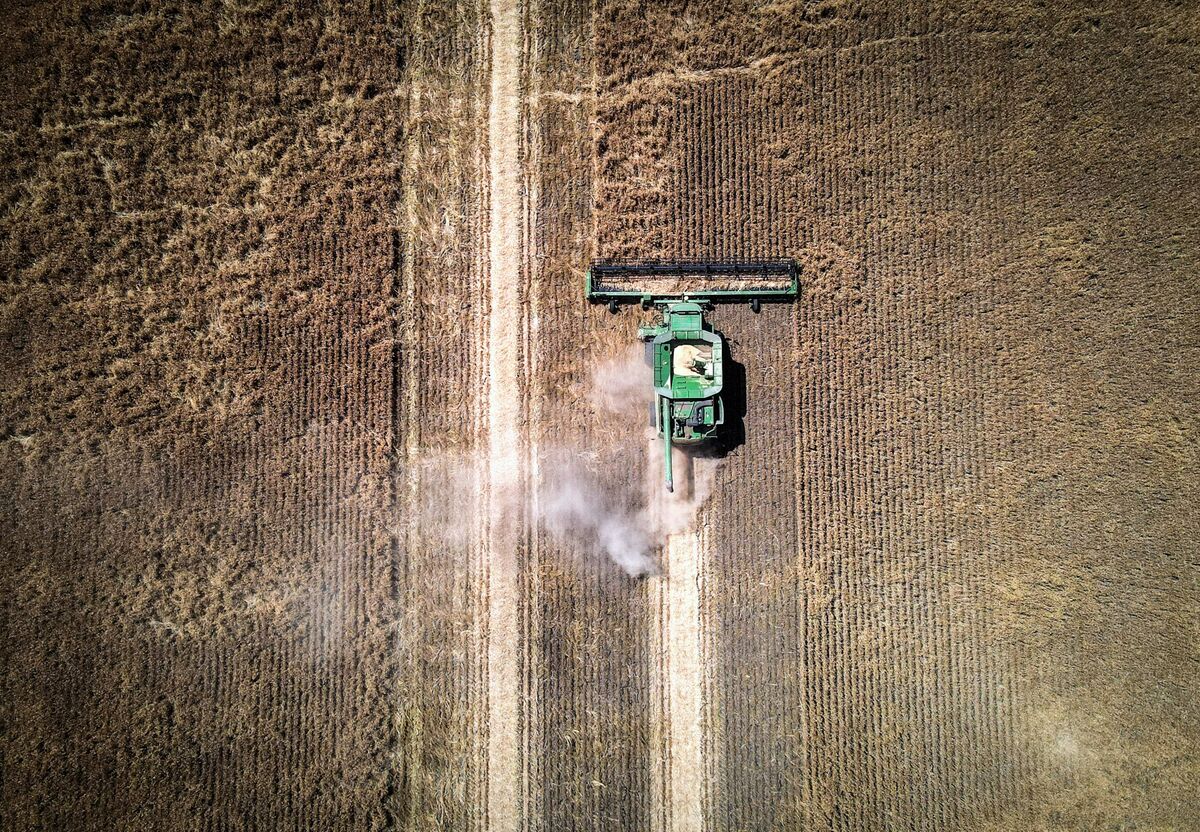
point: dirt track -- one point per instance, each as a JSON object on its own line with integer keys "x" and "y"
{"x": 289, "y": 348}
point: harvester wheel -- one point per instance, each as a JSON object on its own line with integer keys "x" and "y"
{"x": 613, "y": 307}
{"x": 755, "y": 305}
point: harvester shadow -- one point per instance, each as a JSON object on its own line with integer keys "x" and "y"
{"x": 733, "y": 392}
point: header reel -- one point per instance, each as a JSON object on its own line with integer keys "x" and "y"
{"x": 655, "y": 283}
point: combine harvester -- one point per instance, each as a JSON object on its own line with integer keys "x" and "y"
{"x": 687, "y": 355}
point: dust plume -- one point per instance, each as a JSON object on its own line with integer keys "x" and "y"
{"x": 448, "y": 490}
{"x": 611, "y": 502}
{"x": 591, "y": 502}
{"x": 577, "y": 508}
{"x": 598, "y": 501}
{"x": 623, "y": 384}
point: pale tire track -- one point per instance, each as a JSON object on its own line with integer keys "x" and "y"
{"x": 685, "y": 682}
{"x": 504, "y": 420}
{"x": 679, "y": 770}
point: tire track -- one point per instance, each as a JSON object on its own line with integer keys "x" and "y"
{"x": 685, "y": 680}
{"x": 504, "y": 414}
{"x": 678, "y": 658}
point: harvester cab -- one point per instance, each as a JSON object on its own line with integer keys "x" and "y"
{"x": 685, "y": 354}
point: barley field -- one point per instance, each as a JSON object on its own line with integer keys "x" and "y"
{"x": 328, "y": 503}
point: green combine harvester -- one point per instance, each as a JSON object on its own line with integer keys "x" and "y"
{"x": 686, "y": 354}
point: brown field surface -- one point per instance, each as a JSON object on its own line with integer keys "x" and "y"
{"x": 321, "y": 485}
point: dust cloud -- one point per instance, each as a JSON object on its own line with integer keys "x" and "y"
{"x": 589, "y": 501}
{"x": 577, "y": 508}
{"x": 583, "y": 502}
{"x": 622, "y": 385}
{"x": 578, "y": 500}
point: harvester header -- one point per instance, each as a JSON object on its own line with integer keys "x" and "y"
{"x": 653, "y": 282}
